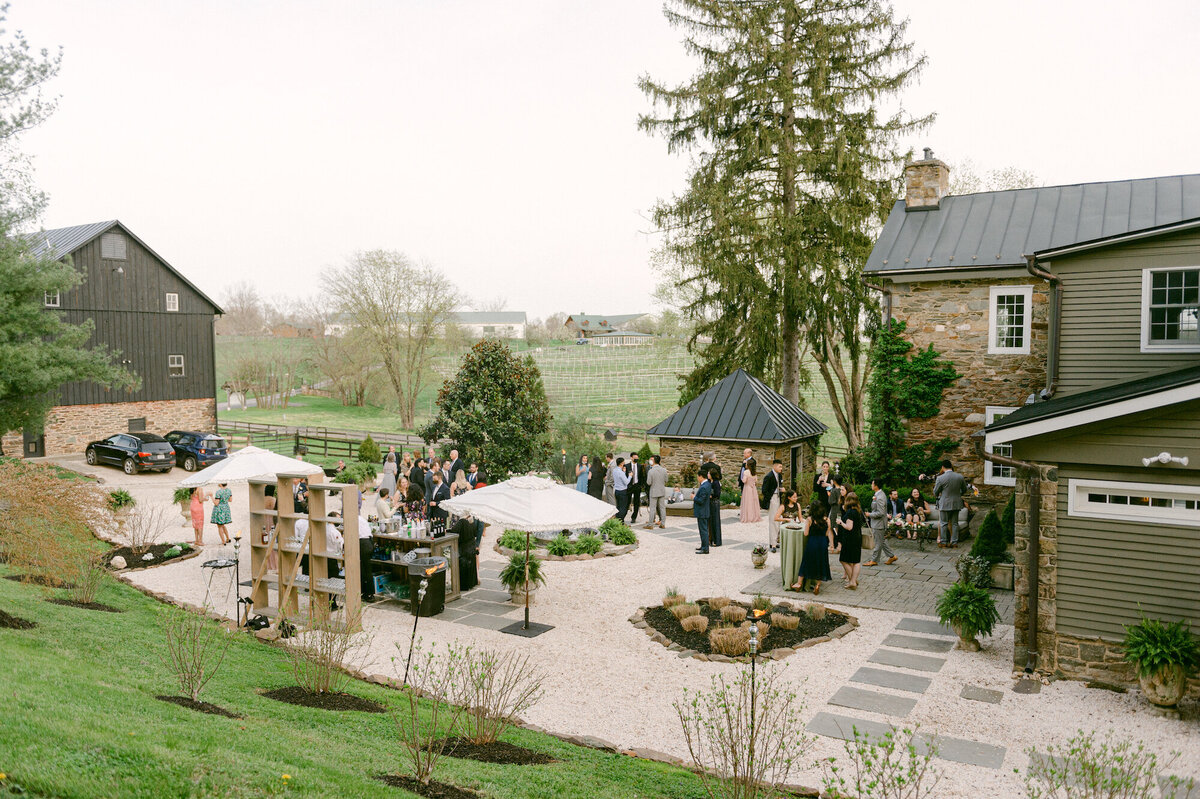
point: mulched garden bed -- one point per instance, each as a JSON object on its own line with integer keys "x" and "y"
{"x": 11, "y": 622}
{"x": 295, "y": 695}
{"x": 661, "y": 620}
{"x": 496, "y": 752}
{"x": 202, "y": 707}
{"x": 434, "y": 790}
{"x": 86, "y": 605}
{"x": 133, "y": 561}
{"x": 37, "y": 579}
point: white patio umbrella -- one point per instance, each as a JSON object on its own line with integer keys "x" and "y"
{"x": 532, "y": 504}
{"x": 248, "y": 463}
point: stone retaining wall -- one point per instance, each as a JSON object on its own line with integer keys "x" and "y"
{"x": 69, "y": 428}
{"x": 729, "y": 457}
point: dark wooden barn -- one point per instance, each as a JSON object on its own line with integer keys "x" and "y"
{"x": 159, "y": 321}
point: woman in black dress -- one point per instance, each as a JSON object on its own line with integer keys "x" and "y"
{"x": 815, "y": 565}
{"x": 468, "y": 553}
{"x": 596, "y": 477}
{"x": 852, "y": 524}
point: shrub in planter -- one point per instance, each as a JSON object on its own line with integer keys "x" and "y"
{"x": 512, "y": 539}
{"x": 120, "y": 500}
{"x": 559, "y": 547}
{"x": 182, "y": 496}
{"x": 990, "y": 544}
{"x": 815, "y": 611}
{"x": 512, "y": 576}
{"x": 673, "y": 598}
{"x": 368, "y": 451}
{"x": 682, "y": 612}
{"x": 785, "y": 621}
{"x": 623, "y": 536}
{"x": 974, "y": 570}
{"x": 1166, "y": 654}
{"x": 970, "y": 611}
{"x": 695, "y": 624}
{"x": 588, "y": 544}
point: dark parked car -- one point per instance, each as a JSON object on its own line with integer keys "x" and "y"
{"x": 196, "y": 450}
{"x": 134, "y": 452}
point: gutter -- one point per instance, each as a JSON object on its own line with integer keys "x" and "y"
{"x": 1056, "y": 293}
{"x": 887, "y": 300}
{"x": 1034, "y": 556}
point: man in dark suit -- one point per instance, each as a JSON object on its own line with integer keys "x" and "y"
{"x": 440, "y": 493}
{"x": 473, "y": 475}
{"x": 455, "y": 464}
{"x": 637, "y": 486}
{"x": 747, "y": 461}
{"x": 435, "y": 467}
{"x": 895, "y": 505}
{"x": 769, "y": 502}
{"x": 714, "y": 480}
{"x": 621, "y": 488}
{"x": 416, "y": 475}
{"x": 701, "y": 505}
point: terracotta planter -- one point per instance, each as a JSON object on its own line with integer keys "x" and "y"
{"x": 1165, "y": 687}
{"x": 1002, "y": 576}
{"x": 758, "y": 560}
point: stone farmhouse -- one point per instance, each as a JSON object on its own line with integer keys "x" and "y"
{"x": 1074, "y": 314}
{"x": 590, "y": 325}
{"x": 148, "y": 311}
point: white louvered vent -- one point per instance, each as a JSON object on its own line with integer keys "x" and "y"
{"x": 112, "y": 247}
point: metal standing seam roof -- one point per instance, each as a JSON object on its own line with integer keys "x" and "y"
{"x": 491, "y": 317}
{"x": 739, "y": 408}
{"x": 61, "y": 242}
{"x": 592, "y": 322}
{"x": 999, "y": 228}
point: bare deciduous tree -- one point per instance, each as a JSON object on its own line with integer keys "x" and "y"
{"x": 403, "y": 309}
{"x": 196, "y": 647}
{"x": 243, "y": 308}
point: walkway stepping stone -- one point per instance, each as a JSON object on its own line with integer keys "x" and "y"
{"x": 1025, "y": 686}
{"x": 907, "y": 660}
{"x": 891, "y": 679}
{"x": 918, "y": 643}
{"x": 927, "y": 626}
{"x": 873, "y": 701}
{"x": 832, "y": 725}
{"x": 958, "y": 750}
{"x": 978, "y": 694}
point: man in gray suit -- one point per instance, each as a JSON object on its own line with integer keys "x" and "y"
{"x": 949, "y": 489}
{"x": 878, "y": 520}
{"x": 610, "y": 491}
{"x": 656, "y": 480}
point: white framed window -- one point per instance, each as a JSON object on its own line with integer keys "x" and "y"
{"x": 1009, "y": 312}
{"x": 1147, "y": 503}
{"x": 175, "y": 365}
{"x": 112, "y": 247}
{"x": 52, "y": 299}
{"x": 172, "y": 301}
{"x": 995, "y": 474}
{"x": 1171, "y": 309}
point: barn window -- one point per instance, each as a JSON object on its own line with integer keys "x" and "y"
{"x": 112, "y": 247}
{"x": 52, "y": 299}
{"x": 137, "y": 425}
{"x": 1149, "y": 503}
{"x": 175, "y": 365}
{"x": 172, "y": 301}
{"x": 994, "y": 473}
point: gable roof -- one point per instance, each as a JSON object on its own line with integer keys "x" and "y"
{"x": 490, "y": 317}
{"x": 63, "y": 241}
{"x": 1100, "y": 404}
{"x": 604, "y": 324}
{"x": 999, "y": 228}
{"x": 739, "y": 408}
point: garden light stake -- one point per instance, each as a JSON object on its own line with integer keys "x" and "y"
{"x": 416, "y": 618}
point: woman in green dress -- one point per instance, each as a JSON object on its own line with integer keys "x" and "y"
{"x": 220, "y": 513}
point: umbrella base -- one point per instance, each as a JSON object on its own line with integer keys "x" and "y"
{"x": 535, "y": 629}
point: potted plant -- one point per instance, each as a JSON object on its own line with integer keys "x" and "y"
{"x": 1165, "y": 655}
{"x": 969, "y": 611}
{"x": 512, "y": 577}
{"x": 121, "y": 503}
{"x": 183, "y": 498}
{"x": 758, "y": 556}
{"x": 991, "y": 546}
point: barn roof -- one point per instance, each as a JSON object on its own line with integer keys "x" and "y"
{"x": 63, "y": 241}
{"x": 604, "y": 324}
{"x": 1000, "y": 228}
{"x": 739, "y": 408}
{"x": 490, "y": 317}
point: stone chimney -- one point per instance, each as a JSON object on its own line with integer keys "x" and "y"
{"x": 926, "y": 182}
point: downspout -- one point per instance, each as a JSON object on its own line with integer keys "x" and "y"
{"x": 887, "y": 300}
{"x": 1035, "y": 552}
{"x": 1055, "y": 325}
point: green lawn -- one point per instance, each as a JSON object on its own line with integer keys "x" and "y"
{"x": 79, "y": 719}
{"x": 315, "y": 411}
{"x": 230, "y": 348}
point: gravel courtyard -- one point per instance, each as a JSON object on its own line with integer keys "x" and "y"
{"x": 608, "y": 680}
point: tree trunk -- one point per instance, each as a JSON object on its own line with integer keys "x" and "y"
{"x": 789, "y": 359}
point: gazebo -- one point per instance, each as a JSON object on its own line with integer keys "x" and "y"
{"x": 740, "y": 412}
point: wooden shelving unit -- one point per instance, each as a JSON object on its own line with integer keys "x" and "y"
{"x": 287, "y": 581}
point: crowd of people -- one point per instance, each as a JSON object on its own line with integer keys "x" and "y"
{"x": 623, "y": 482}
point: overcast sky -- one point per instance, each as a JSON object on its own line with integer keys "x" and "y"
{"x": 264, "y": 141}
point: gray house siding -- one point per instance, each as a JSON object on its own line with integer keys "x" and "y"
{"x": 1110, "y": 573}
{"x": 1101, "y": 312}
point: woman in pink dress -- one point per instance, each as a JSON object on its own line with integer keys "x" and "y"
{"x": 197, "y": 510}
{"x": 750, "y": 511}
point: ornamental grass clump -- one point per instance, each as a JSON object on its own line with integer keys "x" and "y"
{"x": 730, "y": 641}
{"x": 763, "y": 629}
{"x": 673, "y": 598}
{"x": 1153, "y": 645}
{"x": 733, "y": 613}
{"x": 785, "y": 621}
{"x": 681, "y": 612}
{"x": 762, "y": 603}
{"x": 560, "y": 546}
{"x": 695, "y": 624}
{"x": 815, "y": 611}
{"x": 718, "y": 602}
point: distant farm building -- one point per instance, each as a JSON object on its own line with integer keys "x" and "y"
{"x": 621, "y": 338}
{"x": 492, "y": 324}
{"x": 585, "y": 326}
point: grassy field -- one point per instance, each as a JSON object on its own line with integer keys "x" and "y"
{"x": 79, "y": 719}
{"x": 315, "y": 411}
{"x": 230, "y": 348}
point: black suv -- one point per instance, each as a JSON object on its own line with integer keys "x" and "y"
{"x": 196, "y": 450}
{"x": 134, "y": 452}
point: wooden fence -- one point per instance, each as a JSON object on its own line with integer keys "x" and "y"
{"x": 314, "y": 440}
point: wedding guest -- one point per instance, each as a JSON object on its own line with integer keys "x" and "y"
{"x": 468, "y": 553}
{"x": 747, "y": 461}
{"x": 834, "y": 507}
{"x": 389, "y": 473}
{"x": 196, "y": 506}
{"x": 439, "y": 494}
{"x": 473, "y": 475}
{"x": 815, "y": 565}
{"x": 383, "y": 505}
{"x": 821, "y": 483}
{"x": 391, "y": 453}
{"x": 714, "y": 479}
{"x": 948, "y": 490}
{"x": 621, "y": 488}
{"x": 596, "y": 477}
{"x": 749, "y": 512}
{"x": 916, "y": 510}
{"x": 895, "y": 505}
{"x": 610, "y": 491}
{"x": 701, "y": 508}
{"x": 637, "y": 486}
{"x": 454, "y": 464}
{"x": 878, "y": 517}
{"x": 852, "y": 522}
{"x": 656, "y": 482}
{"x": 772, "y": 496}
{"x": 221, "y": 515}
{"x": 401, "y": 492}
{"x": 582, "y": 471}
{"x": 460, "y": 486}
{"x": 416, "y": 475}
{"x": 789, "y": 508}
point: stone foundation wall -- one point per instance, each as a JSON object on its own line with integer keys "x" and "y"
{"x": 1047, "y": 642}
{"x": 70, "y": 427}
{"x": 952, "y": 316}
{"x": 729, "y": 458}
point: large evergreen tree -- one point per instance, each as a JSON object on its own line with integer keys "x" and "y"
{"x": 496, "y": 410}
{"x": 797, "y": 163}
{"x": 39, "y": 350}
